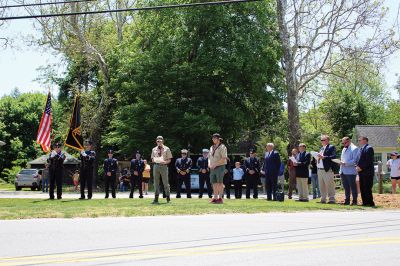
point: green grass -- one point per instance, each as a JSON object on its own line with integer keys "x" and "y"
{"x": 6, "y": 186}
{"x": 70, "y": 208}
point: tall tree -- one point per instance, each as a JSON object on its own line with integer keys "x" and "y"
{"x": 316, "y": 35}
{"x": 189, "y": 73}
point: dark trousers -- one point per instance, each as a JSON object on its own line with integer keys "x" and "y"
{"x": 238, "y": 188}
{"x": 86, "y": 179}
{"x": 271, "y": 182}
{"x": 55, "y": 177}
{"x": 252, "y": 183}
{"x": 205, "y": 179}
{"x": 183, "y": 179}
{"x": 136, "y": 181}
{"x": 366, "y": 183}
{"x": 227, "y": 184}
{"x": 110, "y": 181}
{"x": 349, "y": 184}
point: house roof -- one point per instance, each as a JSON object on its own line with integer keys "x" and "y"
{"x": 69, "y": 159}
{"x": 379, "y": 135}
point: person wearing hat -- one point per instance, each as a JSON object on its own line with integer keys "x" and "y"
{"x": 56, "y": 170}
{"x": 348, "y": 172}
{"x": 110, "y": 171}
{"x": 161, "y": 156}
{"x": 88, "y": 158}
{"x": 217, "y": 159}
{"x": 252, "y": 166}
{"x": 204, "y": 174}
{"x": 183, "y": 166}
{"x": 137, "y": 168}
{"x": 394, "y": 171}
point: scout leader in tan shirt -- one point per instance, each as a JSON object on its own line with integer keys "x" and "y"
{"x": 161, "y": 156}
{"x": 217, "y": 159}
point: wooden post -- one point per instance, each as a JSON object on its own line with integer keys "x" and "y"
{"x": 380, "y": 177}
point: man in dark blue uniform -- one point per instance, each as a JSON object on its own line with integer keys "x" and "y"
{"x": 204, "y": 174}
{"x": 137, "y": 168}
{"x": 88, "y": 157}
{"x": 227, "y": 178}
{"x": 56, "y": 170}
{"x": 110, "y": 173}
{"x": 252, "y": 166}
{"x": 183, "y": 166}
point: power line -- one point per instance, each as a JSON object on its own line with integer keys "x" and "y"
{"x": 227, "y": 2}
{"x": 47, "y": 3}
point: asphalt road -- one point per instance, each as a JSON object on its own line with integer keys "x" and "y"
{"x": 313, "y": 238}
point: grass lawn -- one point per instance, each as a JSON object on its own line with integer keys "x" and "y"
{"x": 6, "y": 186}
{"x": 69, "y": 208}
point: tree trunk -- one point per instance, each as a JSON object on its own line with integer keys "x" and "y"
{"x": 291, "y": 82}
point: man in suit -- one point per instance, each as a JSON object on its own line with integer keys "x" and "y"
{"x": 325, "y": 170}
{"x": 365, "y": 169}
{"x": 302, "y": 165}
{"x": 272, "y": 163}
{"x": 252, "y": 166}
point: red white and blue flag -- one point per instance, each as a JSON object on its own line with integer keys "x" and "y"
{"x": 44, "y": 132}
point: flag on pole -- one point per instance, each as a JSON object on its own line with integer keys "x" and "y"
{"x": 74, "y": 139}
{"x": 44, "y": 132}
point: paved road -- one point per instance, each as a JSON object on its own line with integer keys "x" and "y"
{"x": 313, "y": 238}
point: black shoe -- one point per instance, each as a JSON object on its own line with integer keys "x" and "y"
{"x": 141, "y": 197}
{"x": 189, "y": 197}
{"x": 59, "y": 197}
{"x": 209, "y": 196}
{"x": 168, "y": 199}
{"x": 155, "y": 201}
{"x": 255, "y": 197}
{"x": 106, "y": 197}
{"x": 89, "y": 198}
{"x": 131, "y": 196}
{"x": 51, "y": 198}
{"x": 200, "y": 196}
{"x": 178, "y": 196}
{"x": 82, "y": 198}
{"x": 114, "y": 197}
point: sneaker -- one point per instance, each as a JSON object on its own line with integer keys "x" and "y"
{"x": 213, "y": 200}
{"x": 219, "y": 201}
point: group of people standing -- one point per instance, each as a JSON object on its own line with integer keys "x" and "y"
{"x": 213, "y": 168}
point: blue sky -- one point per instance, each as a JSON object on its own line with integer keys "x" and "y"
{"x": 19, "y": 64}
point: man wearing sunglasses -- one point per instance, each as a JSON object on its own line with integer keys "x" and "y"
{"x": 325, "y": 170}
{"x": 183, "y": 166}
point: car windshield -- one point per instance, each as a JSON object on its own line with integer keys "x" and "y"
{"x": 27, "y": 172}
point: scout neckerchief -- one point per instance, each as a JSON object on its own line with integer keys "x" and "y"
{"x": 215, "y": 149}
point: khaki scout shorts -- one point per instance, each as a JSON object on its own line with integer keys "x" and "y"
{"x": 217, "y": 174}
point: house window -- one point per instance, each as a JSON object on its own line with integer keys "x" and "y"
{"x": 377, "y": 157}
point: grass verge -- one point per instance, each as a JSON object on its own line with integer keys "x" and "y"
{"x": 70, "y": 208}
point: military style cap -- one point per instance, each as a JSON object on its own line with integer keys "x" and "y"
{"x": 58, "y": 144}
{"x": 109, "y": 151}
{"x": 206, "y": 151}
{"x": 89, "y": 142}
{"x": 137, "y": 152}
{"x": 159, "y": 138}
{"x": 252, "y": 151}
{"x": 217, "y": 135}
{"x": 184, "y": 151}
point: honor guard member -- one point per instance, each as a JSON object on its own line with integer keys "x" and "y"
{"x": 252, "y": 166}
{"x": 137, "y": 168}
{"x": 110, "y": 172}
{"x": 56, "y": 170}
{"x": 88, "y": 157}
{"x": 161, "y": 156}
{"x": 204, "y": 174}
{"x": 183, "y": 166}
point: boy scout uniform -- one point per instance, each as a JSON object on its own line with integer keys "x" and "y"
{"x": 160, "y": 171}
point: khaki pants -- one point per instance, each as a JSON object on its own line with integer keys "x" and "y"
{"x": 161, "y": 171}
{"x": 302, "y": 185}
{"x": 326, "y": 185}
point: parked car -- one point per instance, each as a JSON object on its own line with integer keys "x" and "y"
{"x": 194, "y": 180}
{"x": 28, "y": 178}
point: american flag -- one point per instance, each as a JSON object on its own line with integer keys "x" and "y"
{"x": 43, "y": 136}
